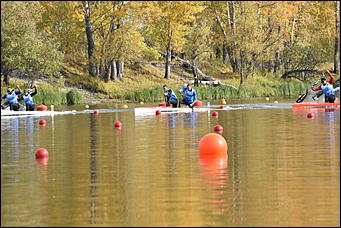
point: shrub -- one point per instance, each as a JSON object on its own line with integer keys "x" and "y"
{"x": 73, "y": 97}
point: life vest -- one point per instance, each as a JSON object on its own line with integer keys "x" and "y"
{"x": 189, "y": 96}
{"x": 12, "y": 98}
{"x": 171, "y": 95}
{"x": 28, "y": 99}
{"x": 327, "y": 89}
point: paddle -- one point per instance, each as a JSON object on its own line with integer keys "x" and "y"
{"x": 4, "y": 105}
{"x": 303, "y": 96}
{"x": 191, "y": 107}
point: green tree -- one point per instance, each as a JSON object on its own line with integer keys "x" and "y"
{"x": 167, "y": 24}
{"x": 23, "y": 47}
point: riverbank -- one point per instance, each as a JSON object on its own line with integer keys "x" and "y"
{"x": 143, "y": 82}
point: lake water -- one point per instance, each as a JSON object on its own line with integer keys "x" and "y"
{"x": 283, "y": 169}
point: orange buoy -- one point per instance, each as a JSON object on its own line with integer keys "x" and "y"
{"x": 118, "y": 124}
{"x": 218, "y": 129}
{"x": 214, "y": 113}
{"x": 42, "y": 122}
{"x": 96, "y": 112}
{"x": 158, "y": 112}
{"x": 310, "y": 115}
{"x": 42, "y": 153}
{"x": 198, "y": 103}
{"x": 213, "y": 144}
{"x": 42, "y": 108}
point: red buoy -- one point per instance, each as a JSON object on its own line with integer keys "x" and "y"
{"x": 221, "y": 106}
{"x": 163, "y": 104}
{"x": 42, "y": 122}
{"x": 310, "y": 115}
{"x": 96, "y": 112}
{"x": 42, "y": 153}
{"x": 158, "y": 112}
{"x": 118, "y": 124}
{"x": 42, "y": 108}
{"x": 214, "y": 113}
{"x": 42, "y": 161}
{"x": 198, "y": 103}
{"x": 213, "y": 144}
{"x": 218, "y": 129}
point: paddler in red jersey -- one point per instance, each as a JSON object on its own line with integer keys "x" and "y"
{"x": 327, "y": 88}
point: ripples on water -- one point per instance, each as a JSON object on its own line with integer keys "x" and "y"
{"x": 282, "y": 169}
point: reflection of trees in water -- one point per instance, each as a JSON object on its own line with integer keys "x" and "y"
{"x": 93, "y": 168}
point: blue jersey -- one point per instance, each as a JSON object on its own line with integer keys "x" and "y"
{"x": 12, "y": 97}
{"x": 327, "y": 89}
{"x": 28, "y": 99}
{"x": 171, "y": 95}
{"x": 189, "y": 96}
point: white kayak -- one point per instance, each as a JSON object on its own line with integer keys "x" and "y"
{"x": 152, "y": 110}
{"x": 10, "y": 113}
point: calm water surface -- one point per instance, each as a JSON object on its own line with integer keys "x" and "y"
{"x": 283, "y": 169}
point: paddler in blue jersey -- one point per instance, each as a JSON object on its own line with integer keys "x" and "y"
{"x": 171, "y": 98}
{"x": 12, "y": 99}
{"x": 190, "y": 95}
{"x": 27, "y": 97}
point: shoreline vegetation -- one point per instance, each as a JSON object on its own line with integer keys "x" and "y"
{"x": 151, "y": 91}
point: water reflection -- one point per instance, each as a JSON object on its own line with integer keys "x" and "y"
{"x": 191, "y": 120}
{"x": 29, "y": 125}
{"x": 282, "y": 170}
{"x": 172, "y": 120}
{"x": 93, "y": 169}
{"x": 10, "y": 127}
{"x": 215, "y": 174}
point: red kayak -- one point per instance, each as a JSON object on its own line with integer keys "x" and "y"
{"x": 315, "y": 104}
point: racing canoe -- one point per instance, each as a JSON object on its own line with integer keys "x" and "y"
{"x": 315, "y": 104}
{"x": 10, "y": 113}
{"x": 152, "y": 110}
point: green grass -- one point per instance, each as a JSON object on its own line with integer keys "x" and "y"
{"x": 73, "y": 97}
{"x": 145, "y": 84}
{"x": 252, "y": 88}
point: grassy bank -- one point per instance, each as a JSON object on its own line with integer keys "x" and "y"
{"x": 144, "y": 83}
{"x": 252, "y": 88}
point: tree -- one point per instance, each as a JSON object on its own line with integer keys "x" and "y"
{"x": 197, "y": 41}
{"x": 118, "y": 36}
{"x": 23, "y": 47}
{"x": 90, "y": 37}
{"x": 167, "y": 24}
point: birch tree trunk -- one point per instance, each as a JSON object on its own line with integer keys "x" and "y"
{"x": 119, "y": 66}
{"x": 113, "y": 73}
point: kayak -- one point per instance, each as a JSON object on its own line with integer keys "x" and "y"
{"x": 152, "y": 110}
{"x": 315, "y": 104}
{"x": 10, "y": 113}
